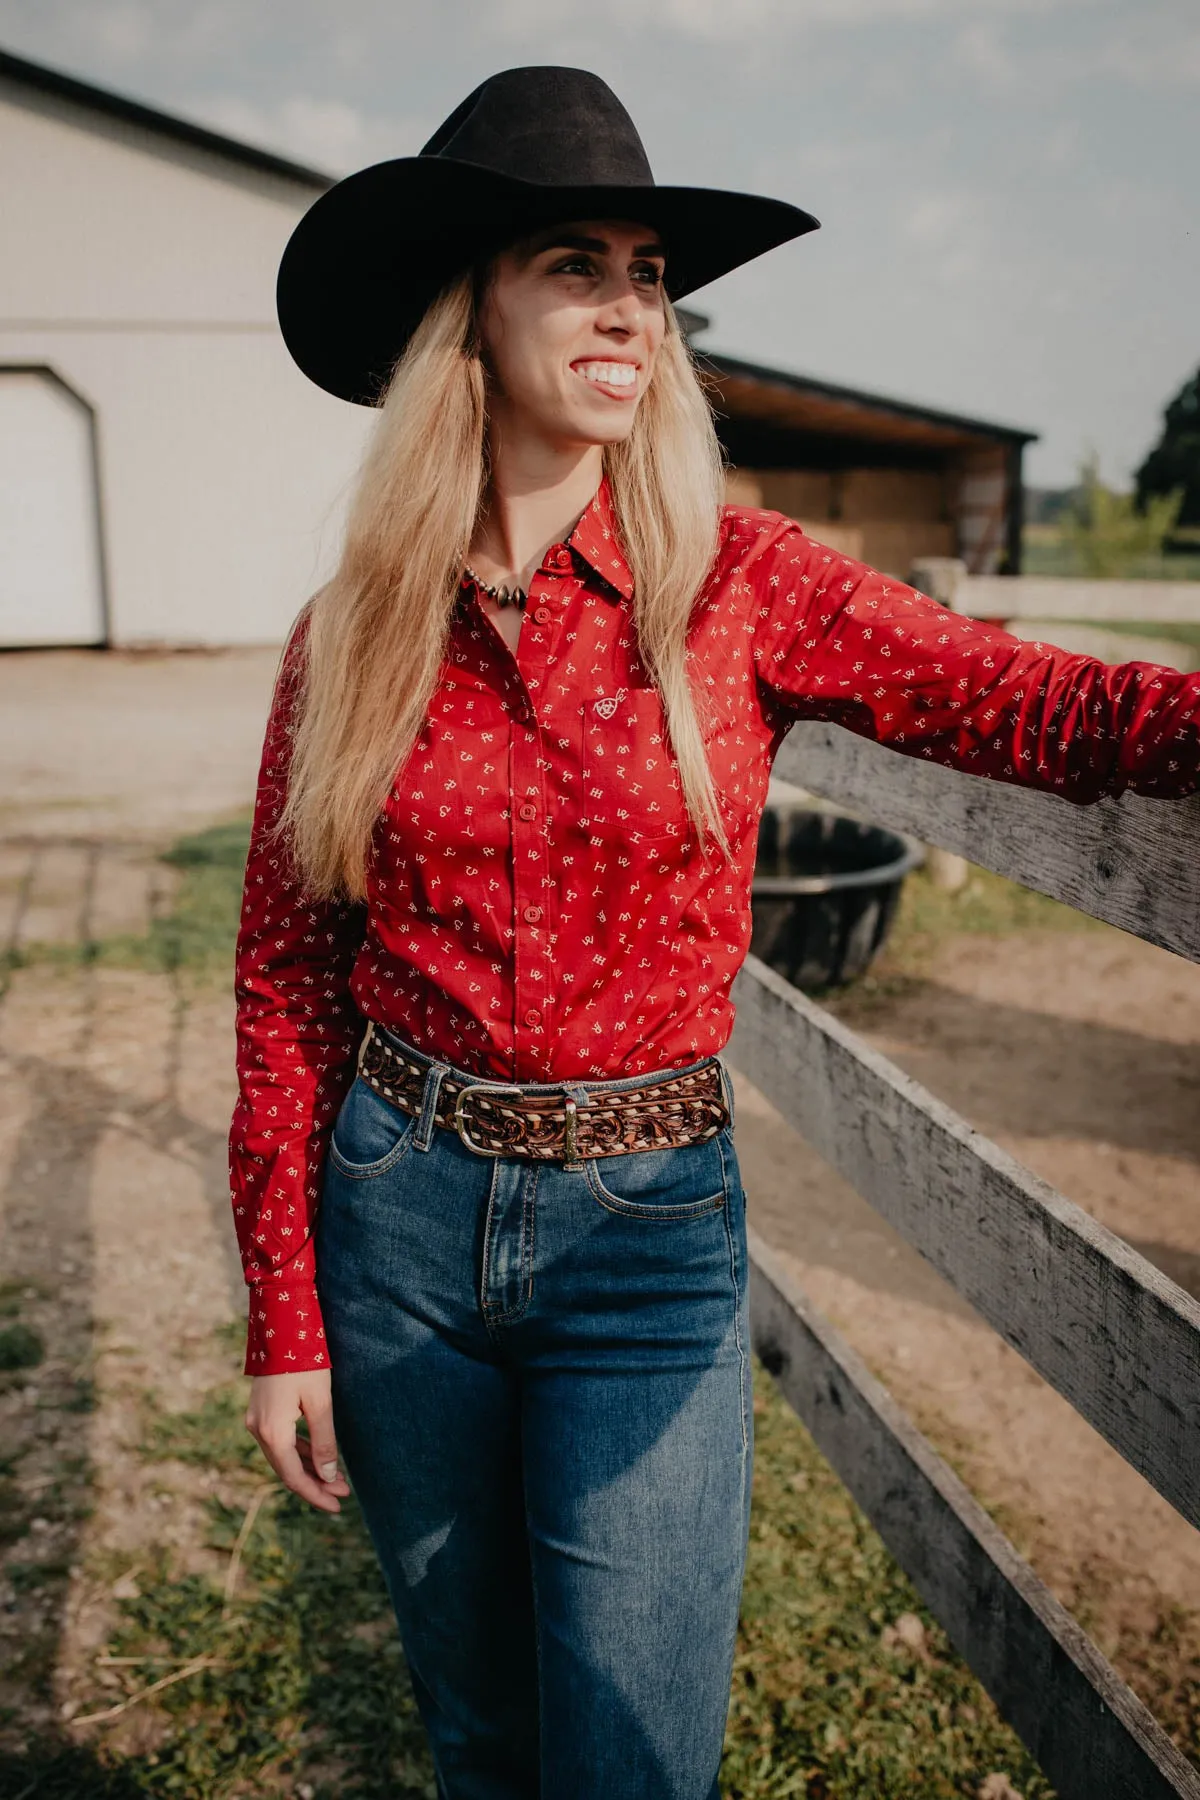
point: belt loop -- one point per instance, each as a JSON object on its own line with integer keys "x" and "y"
{"x": 726, "y": 1087}
{"x": 581, "y": 1097}
{"x": 434, "y": 1076}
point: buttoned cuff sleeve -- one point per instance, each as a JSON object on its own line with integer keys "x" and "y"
{"x": 285, "y": 1331}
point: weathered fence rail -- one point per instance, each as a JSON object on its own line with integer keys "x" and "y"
{"x": 1113, "y": 1334}
{"x": 1093, "y": 1737}
{"x": 1131, "y": 862}
{"x": 1071, "y": 598}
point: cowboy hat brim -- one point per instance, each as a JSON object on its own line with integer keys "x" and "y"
{"x": 367, "y": 258}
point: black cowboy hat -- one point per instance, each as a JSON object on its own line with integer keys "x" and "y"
{"x": 529, "y": 148}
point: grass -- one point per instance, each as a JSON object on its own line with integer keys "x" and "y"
{"x": 844, "y": 1687}
{"x": 20, "y": 1347}
{"x": 194, "y": 938}
{"x": 1172, "y": 633}
{"x": 197, "y": 934}
{"x": 987, "y": 905}
{"x": 1047, "y": 550}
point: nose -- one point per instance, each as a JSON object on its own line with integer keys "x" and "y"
{"x": 623, "y": 314}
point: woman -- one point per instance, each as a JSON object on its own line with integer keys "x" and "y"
{"x": 500, "y": 870}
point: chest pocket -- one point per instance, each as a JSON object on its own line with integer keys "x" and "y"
{"x": 631, "y": 786}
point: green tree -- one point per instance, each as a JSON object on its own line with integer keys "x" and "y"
{"x": 1174, "y": 462}
{"x": 1110, "y": 536}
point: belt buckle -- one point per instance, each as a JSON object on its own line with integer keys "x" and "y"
{"x": 460, "y": 1120}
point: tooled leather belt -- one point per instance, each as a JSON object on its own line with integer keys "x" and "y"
{"x": 495, "y": 1118}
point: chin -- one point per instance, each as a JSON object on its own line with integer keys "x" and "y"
{"x": 613, "y": 430}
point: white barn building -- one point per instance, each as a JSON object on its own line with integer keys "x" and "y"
{"x": 167, "y": 475}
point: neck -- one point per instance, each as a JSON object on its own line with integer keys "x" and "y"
{"x": 536, "y": 493}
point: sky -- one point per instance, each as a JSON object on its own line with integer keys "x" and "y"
{"x": 1008, "y": 189}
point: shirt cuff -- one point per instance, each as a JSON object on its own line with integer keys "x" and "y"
{"x": 285, "y": 1333}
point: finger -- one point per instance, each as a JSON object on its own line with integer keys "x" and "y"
{"x": 336, "y": 1484}
{"x": 285, "y": 1460}
{"x": 323, "y": 1442}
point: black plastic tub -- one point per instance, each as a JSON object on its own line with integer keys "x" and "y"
{"x": 825, "y": 891}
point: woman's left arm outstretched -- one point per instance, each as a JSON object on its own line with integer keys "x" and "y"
{"x": 837, "y": 640}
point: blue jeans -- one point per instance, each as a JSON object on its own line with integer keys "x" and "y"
{"x": 541, "y": 1388}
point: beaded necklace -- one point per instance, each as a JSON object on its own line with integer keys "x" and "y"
{"x": 502, "y": 594}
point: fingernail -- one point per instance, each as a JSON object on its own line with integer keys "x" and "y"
{"x": 329, "y": 1471}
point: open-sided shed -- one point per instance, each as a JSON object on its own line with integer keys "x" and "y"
{"x": 167, "y": 478}
{"x": 884, "y": 480}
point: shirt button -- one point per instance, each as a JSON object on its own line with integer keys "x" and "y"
{"x": 532, "y": 914}
{"x": 541, "y": 614}
{"x": 527, "y": 810}
{"x": 533, "y": 1016}
{"x": 560, "y": 559}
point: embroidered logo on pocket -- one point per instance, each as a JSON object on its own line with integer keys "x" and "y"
{"x": 608, "y": 706}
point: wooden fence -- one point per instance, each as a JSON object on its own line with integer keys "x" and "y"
{"x": 1062, "y": 597}
{"x": 1115, "y": 1336}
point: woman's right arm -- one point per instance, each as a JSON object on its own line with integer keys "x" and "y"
{"x": 298, "y": 1032}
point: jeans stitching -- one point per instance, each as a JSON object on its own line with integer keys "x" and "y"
{"x": 434, "y": 1076}
{"x": 633, "y": 1209}
{"x": 533, "y": 1589}
{"x": 737, "y": 1331}
{"x": 485, "y": 1274}
{"x": 495, "y": 1314}
{"x": 690, "y": 1209}
{"x": 382, "y": 1166}
{"x": 528, "y": 1222}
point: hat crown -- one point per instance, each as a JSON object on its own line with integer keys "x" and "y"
{"x": 557, "y": 127}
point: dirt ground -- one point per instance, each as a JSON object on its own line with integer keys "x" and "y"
{"x": 1078, "y": 1051}
{"x": 128, "y": 745}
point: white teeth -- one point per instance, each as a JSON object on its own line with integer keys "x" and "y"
{"x": 611, "y": 374}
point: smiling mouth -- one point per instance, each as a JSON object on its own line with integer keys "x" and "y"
{"x": 618, "y": 378}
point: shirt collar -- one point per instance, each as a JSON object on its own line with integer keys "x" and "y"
{"x": 597, "y": 540}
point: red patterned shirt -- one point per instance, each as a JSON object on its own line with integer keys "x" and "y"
{"x": 538, "y": 908}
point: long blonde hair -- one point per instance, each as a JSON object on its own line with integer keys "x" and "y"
{"x": 371, "y": 642}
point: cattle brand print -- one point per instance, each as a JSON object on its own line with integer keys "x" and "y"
{"x": 538, "y": 906}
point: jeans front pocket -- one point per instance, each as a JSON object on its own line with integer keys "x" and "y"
{"x": 684, "y": 1183}
{"x": 370, "y": 1137}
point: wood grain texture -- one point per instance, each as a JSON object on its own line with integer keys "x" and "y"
{"x": 1134, "y": 862}
{"x": 1113, "y": 1334}
{"x": 1091, "y": 1735}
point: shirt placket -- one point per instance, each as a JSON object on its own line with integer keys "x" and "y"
{"x": 533, "y": 923}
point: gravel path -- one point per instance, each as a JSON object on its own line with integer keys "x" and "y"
{"x": 1080, "y": 1052}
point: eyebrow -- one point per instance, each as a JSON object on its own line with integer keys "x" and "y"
{"x": 575, "y": 241}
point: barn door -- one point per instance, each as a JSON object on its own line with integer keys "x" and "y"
{"x": 51, "y": 588}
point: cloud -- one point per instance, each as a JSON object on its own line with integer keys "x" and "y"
{"x": 734, "y": 21}
{"x": 981, "y": 52}
{"x": 1152, "y": 59}
{"x": 330, "y": 134}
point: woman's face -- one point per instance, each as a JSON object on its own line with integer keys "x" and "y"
{"x": 571, "y": 323}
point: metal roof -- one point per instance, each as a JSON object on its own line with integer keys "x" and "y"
{"x": 776, "y": 397}
{"x": 771, "y": 397}
{"x": 24, "y": 73}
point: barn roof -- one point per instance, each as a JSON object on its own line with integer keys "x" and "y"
{"x": 777, "y": 398}
{"x": 22, "y": 72}
{"x": 774, "y": 402}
